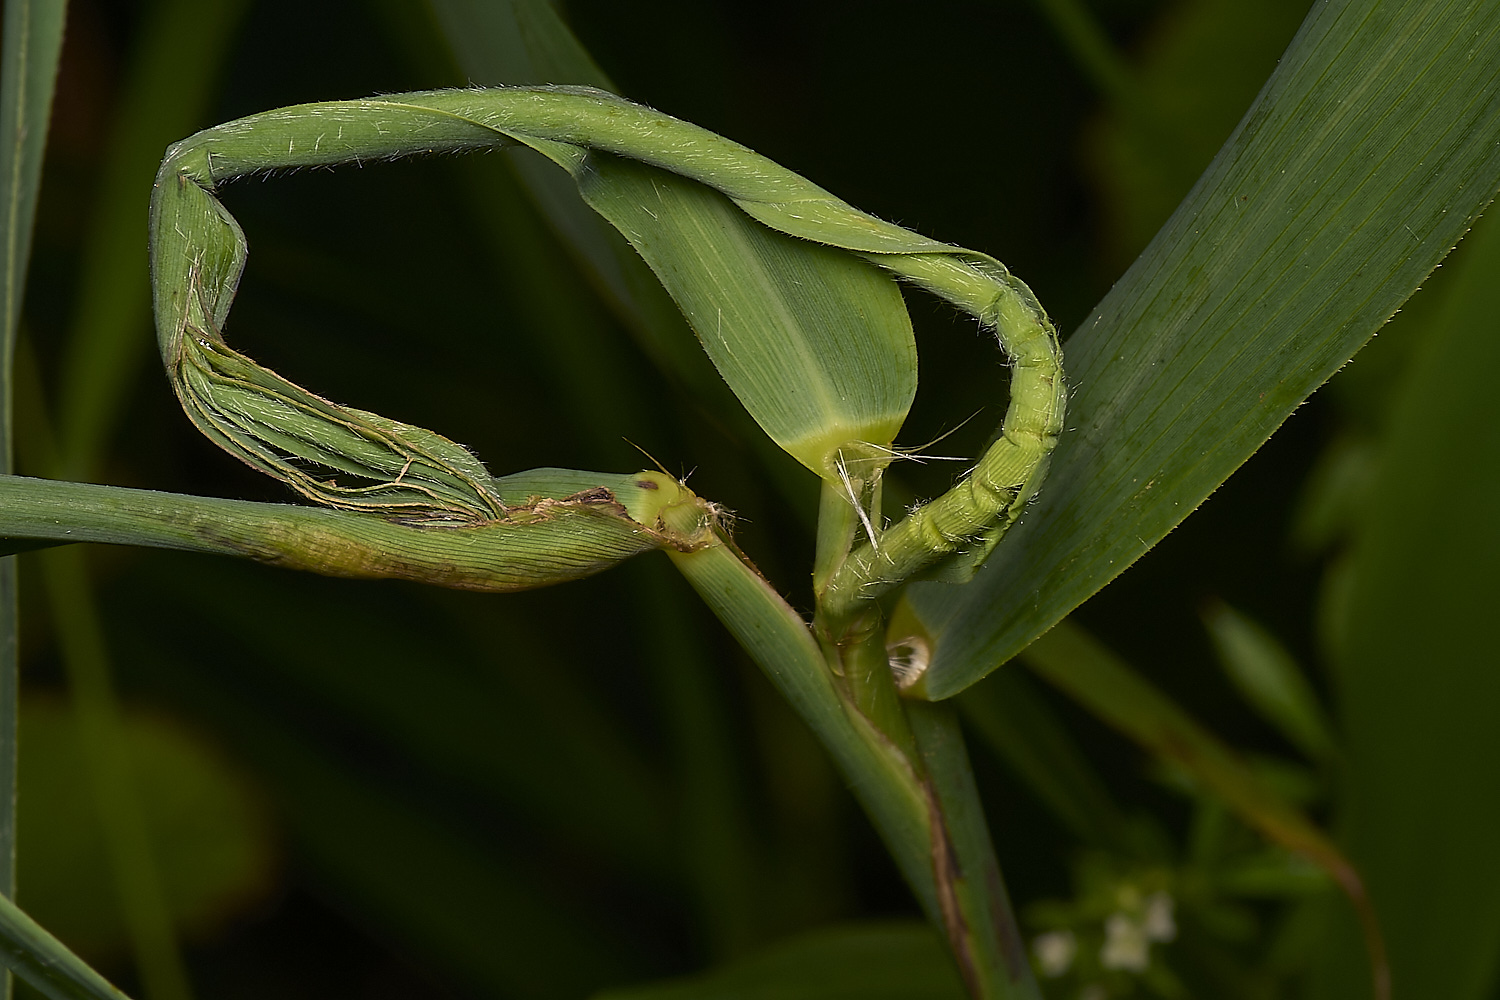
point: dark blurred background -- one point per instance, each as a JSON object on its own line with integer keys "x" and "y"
{"x": 406, "y": 792}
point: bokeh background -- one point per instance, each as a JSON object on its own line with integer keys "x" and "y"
{"x": 375, "y": 790}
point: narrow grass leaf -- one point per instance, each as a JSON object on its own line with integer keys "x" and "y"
{"x": 180, "y": 40}
{"x": 1365, "y": 158}
{"x": 45, "y": 963}
{"x": 1009, "y": 716}
{"x": 28, "y": 70}
{"x": 1269, "y": 680}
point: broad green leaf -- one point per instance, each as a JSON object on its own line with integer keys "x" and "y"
{"x": 1418, "y": 690}
{"x": 814, "y": 341}
{"x": 896, "y": 961}
{"x": 1365, "y": 158}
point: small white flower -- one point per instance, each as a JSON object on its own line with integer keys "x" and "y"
{"x": 1125, "y": 944}
{"x": 1055, "y": 951}
{"x": 1159, "y": 924}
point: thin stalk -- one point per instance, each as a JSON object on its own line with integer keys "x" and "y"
{"x": 993, "y": 941}
{"x": 28, "y": 71}
{"x": 568, "y": 540}
{"x": 907, "y": 806}
{"x": 45, "y": 963}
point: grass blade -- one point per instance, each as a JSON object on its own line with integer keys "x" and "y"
{"x": 43, "y": 961}
{"x": 136, "y": 868}
{"x": 28, "y": 70}
{"x": 1366, "y": 157}
{"x": 1010, "y": 716}
{"x": 109, "y": 336}
{"x": 1418, "y": 687}
{"x": 1269, "y": 680}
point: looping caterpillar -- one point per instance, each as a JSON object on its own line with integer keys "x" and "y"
{"x": 355, "y": 460}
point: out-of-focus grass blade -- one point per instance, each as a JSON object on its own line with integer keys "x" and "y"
{"x": 1269, "y": 679}
{"x": 517, "y": 42}
{"x": 896, "y": 961}
{"x": 109, "y": 338}
{"x": 180, "y": 39}
{"x": 1417, "y": 678}
{"x": 28, "y": 70}
{"x": 1010, "y": 716}
{"x": 108, "y": 763}
{"x": 1364, "y": 160}
{"x": 513, "y": 42}
{"x": 1199, "y": 65}
{"x": 482, "y": 915}
{"x": 46, "y": 965}
{"x": 1078, "y": 664}
{"x": 527, "y": 734}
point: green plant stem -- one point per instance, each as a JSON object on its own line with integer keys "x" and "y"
{"x": 982, "y": 902}
{"x": 28, "y": 72}
{"x": 45, "y": 963}
{"x": 908, "y": 809}
{"x": 334, "y": 543}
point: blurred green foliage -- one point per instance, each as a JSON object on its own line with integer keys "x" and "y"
{"x": 550, "y": 794}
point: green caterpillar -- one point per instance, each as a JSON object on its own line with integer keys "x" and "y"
{"x": 357, "y": 461}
